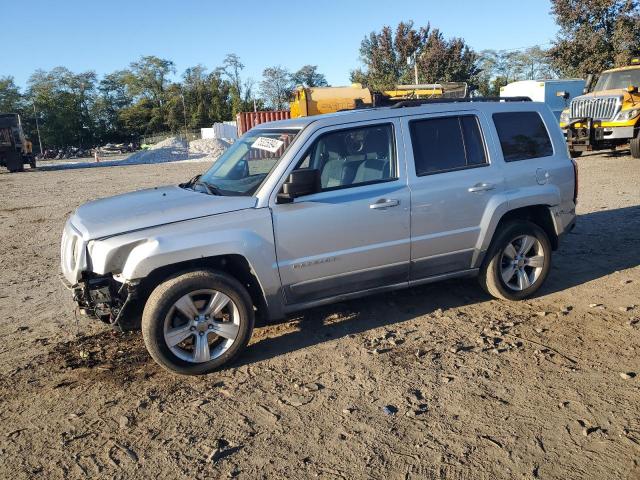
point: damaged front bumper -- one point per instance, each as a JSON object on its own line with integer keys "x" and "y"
{"x": 103, "y": 298}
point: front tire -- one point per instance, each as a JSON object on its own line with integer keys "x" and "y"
{"x": 196, "y": 322}
{"x": 518, "y": 261}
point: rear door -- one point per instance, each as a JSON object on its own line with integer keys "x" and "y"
{"x": 537, "y": 166}
{"x": 453, "y": 178}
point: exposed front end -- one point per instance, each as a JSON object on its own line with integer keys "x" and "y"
{"x": 97, "y": 296}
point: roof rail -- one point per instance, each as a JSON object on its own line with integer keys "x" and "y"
{"x": 425, "y": 101}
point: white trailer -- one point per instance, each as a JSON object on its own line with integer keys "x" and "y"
{"x": 557, "y": 94}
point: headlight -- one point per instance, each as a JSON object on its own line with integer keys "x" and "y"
{"x": 564, "y": 117}
{"x": 625, "y": 115}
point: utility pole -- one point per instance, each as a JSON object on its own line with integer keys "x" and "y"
{"x": 415, "y": 67}
{"x": 37, "y": 127}
{"x": 184, "y": 114}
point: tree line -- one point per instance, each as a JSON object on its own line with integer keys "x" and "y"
{"x": 82, "y": 109}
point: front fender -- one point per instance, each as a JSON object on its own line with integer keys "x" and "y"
{"x": 248, "y": 233}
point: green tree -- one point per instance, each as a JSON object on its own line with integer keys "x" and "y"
{"x": 147, "y": 81}
{"x": 594, "y": 35}
{"x": 498, "y": 68}
{"x": 387, "y": 57}
{"x": 64, "y": 101}
{"x": 11, "y": 99}
{"x": 113, "y": 97}
{"x": 308, "y": 76}
{"x": 276, "y": 87}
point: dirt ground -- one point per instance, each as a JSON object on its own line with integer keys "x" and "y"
{"x": 434, "y": 382}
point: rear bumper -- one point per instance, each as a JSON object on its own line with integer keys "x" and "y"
{"x": 564, "y": 218}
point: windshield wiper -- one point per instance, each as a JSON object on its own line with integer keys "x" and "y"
{"x": 210, "y": 188}
{"x": 192, "y": 182}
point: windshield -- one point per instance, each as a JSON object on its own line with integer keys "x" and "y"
{"x": 618, "y": 80}
{"x": 243, "y": 167}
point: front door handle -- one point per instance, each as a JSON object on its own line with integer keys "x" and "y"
{"x": 384, "y": 203}
{"x": 481, "y": 187}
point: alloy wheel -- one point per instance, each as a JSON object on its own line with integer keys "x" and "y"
{"x": 201, "y": 325}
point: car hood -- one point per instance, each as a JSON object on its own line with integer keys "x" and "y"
{"x": 604, "y": 93}
{"x": 149, "y": 208}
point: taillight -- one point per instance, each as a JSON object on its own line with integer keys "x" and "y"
{"x": 575, "y": 185}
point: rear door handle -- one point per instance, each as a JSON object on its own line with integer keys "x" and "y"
{"x": 481, "y": 187}
{"x": 384, "y": 203}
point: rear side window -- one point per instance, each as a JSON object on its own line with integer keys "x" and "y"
{"x": 446, "y": 144}
{"x": 522, "y": 135}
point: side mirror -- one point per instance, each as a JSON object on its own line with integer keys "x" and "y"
{"x": 632, "y": 89}
{"x": 587, "y": 83}
{"x": 562, "y": 94}
{"x": 304, "y": 181}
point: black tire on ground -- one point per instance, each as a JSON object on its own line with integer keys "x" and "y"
{"x": 32, "y": 162}
{"x": 167, "y": 293}
{"x": 634, "y": 145}
{"x": 575, "y": 153}
{"x": 490, "y": 276}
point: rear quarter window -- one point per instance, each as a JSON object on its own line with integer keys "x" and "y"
{"x": 522, "y": 135}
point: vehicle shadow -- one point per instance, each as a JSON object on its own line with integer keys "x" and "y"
{"x": 621, "y": 152}
{"x": 602, "y": 243}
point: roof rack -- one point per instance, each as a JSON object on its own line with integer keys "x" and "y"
{"x": 425, "y": 101}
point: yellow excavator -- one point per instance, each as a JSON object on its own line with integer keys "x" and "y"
{"x": 318, "y": 100}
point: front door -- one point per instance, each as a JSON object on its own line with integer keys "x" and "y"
{"x": 354, "y": 234}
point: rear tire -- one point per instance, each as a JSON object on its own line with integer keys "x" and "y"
{"x": 634, "y": 145}
{"x": 575, "y": 153}
{"x": 518, "y": 261}
{"x": 181, "y": 318}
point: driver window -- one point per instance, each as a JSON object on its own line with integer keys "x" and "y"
{"x": 352, "y": 157}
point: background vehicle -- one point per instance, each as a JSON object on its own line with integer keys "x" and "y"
{"x": 15, "y": 149}
{"x": 320, "y": 100}
{"x": 607, "y": 117}
{"x": 313, "y": 210}
{"x": 556, "y": 94}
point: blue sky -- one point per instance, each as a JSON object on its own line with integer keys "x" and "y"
{"x": 107, "y": 35}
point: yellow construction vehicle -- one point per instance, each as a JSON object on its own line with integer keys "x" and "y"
{"x": 608, "y": 115}
{"x": 15, "y": 149}
{"x": 319, "y": 100}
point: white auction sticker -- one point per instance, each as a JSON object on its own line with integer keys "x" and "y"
{"x": 269, "y": 144}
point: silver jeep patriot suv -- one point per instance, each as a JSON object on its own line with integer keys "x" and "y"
{"x": 304, "y": 212}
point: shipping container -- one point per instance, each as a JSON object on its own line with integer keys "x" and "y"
{"x": 247, "y": 120}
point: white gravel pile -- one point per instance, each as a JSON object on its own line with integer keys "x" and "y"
{"x": 172, "y": 149}
{"x": 168, "y": 150}
{"x": 211, "y": 147}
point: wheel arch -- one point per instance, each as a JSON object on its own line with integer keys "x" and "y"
{"x": 538, "y": 214}
{"x": 234, "y": 265}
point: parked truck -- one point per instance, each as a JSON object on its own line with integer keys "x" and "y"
{"x": 557, "y": 94}
{"x": 607, "y": 116}
{"x": 15, "y": 149}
